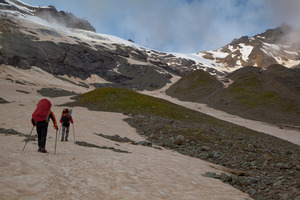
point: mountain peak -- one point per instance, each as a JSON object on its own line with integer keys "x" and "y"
{"x": 49, "y": 14}
{"x": 278, "y": 35}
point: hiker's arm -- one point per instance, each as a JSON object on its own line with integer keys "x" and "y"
{"x": 71, "y": 119}
{"x": 52, "y": 116}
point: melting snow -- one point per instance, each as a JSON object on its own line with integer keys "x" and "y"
{"x": 198, "y": 58}
{"x": 271, "y": 46}
{"x": 245, "y": 51}
{"x": 261, "y": 37}
{"x": 218, "y": 54}
{"x": 266, "y": 52}
{"x": 231, "y": 48}
{"x": 291, "y": 52}
{"x": 291, "y": 63}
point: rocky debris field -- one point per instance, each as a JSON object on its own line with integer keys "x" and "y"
{"x": 264, "y": 166}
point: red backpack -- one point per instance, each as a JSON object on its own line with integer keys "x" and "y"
{"x": 42, "y": 111}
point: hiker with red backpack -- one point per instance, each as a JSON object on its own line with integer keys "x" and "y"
{"x": 65, "y": 119}
{"x": 40, "y": 119}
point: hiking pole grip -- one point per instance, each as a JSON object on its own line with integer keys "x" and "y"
{"x": 28, "y": 138}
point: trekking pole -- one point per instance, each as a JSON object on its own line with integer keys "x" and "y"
{"x": 59, "y": 131}
{"x": 28, "y": 138}
{"x": 73, "y": 132}
{"x": 55, "y": 143}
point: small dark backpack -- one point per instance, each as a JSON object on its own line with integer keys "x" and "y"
{"x": 65, "y": 117}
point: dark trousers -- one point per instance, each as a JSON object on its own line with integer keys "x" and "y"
{"x": 41, "y": 129}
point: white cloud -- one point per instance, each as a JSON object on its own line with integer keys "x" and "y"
{"x": 182, "y": 25}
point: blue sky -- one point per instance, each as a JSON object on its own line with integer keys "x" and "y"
{"x": 185, "y": 26}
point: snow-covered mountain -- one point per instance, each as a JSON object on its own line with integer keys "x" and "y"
{"x": 62, "y": 44}
{"x": 275, "y": 46}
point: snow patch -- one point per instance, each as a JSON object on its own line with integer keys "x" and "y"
{"x": 291, "y": 63}
{"x": 245, "y": 51}
{"x": 32, "y": 6}
{"x": 291, "y": 52}
{"x": 265, "y": 51}
{"x": 271, "y": 46}
{"x": 218, "y": 54}
{"x": 116, "y": 69}
{"x": 198, "y": 58}
{"x": 20, "y": 7}
{"x": 136, "y": 62}
{"x": 260, "y": 37}
{"x": 231, "y": 48}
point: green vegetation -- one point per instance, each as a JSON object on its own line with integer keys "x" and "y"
{"x": 195, "y": 86}
{"x": 130, "y": 102}
{"x": 250, "y": 91}
{"x": 270, "y": 95}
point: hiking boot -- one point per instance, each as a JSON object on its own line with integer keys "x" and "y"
{"x": 66, "y": 140}
{"x": 62, "y": 140}
{"x": 43, "y": 150}
{"x": 39, "y": 149}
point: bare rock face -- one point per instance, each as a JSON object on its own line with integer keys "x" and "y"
{"x": 67, "y": 19}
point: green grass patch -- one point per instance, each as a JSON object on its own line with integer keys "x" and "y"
{"x": 195, "y": 86}
{"x": 249, "y": 90}
{"x": 130, "y": 102}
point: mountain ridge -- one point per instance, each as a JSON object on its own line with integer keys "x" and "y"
{"x": 49, "y": 14}
{"x": 81, "y": 53}
{"x": 274, "y": 46}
